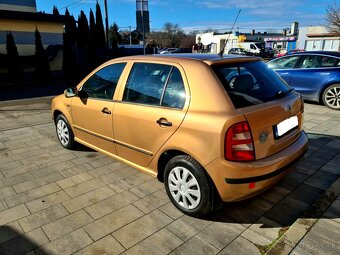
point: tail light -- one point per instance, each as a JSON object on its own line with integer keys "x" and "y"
{"x": 239, "y": 145}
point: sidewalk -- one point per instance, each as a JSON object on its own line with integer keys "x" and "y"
{"x": 56, "y": 201}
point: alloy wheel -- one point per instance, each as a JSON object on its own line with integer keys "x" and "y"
{"x": 332, "y": 97}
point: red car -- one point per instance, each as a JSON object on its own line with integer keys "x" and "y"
{"x": 288, "y": 53}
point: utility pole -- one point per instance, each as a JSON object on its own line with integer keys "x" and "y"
{"x": 106, "y": 24}
{"x": 130, "y": 35}
{"x": 143, "y": 31}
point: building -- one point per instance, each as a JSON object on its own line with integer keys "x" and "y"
{"x": 21, "y": 18}
{"x": 214, "y": 42}
{"x": 142, "y": 16}
{"x": 317, "y": 38}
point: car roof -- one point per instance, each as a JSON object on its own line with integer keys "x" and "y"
{"x": 207, "y": 58}
{"x": 327, "y": 53}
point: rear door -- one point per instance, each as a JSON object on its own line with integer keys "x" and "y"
{"x": 153, "y": 105}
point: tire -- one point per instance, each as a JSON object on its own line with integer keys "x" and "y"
{"x": 64, "y": 132}
{"x": 195, "y": 200}
{"x": 331, "y": 97}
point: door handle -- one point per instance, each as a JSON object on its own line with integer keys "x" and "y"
{"x": 164, "y": 122}
{"x": 285, "y": 73}
{"x": 106, "y": 111}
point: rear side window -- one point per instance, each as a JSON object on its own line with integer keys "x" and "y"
{"x": 174, "y": 95}
{"x": 146, "y": 83}
{"x": 155, "y": 84}
{"x": 251, "y": 83}
{"x": 314, "y": 61}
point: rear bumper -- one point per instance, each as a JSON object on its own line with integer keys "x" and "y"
{"x": 232, "y": 179}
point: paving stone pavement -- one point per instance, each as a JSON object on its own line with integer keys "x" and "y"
{"x": 55, "y": 201}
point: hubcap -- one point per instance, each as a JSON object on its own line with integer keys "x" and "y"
{"x": 184, "y": 188}
{"x": 63, "y": 133}
{"x": 332, "y": 97}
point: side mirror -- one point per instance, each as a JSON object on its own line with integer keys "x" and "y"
{"x": 70, "y": 92}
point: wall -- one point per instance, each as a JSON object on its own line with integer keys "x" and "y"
{"x": 18, "y": 5}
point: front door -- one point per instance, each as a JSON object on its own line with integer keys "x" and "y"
{"x": 92, "y": 109}
{"x": 154, "y": 103}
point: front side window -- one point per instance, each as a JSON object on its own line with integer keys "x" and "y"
{"x": 155, "y": 84}
{"x": 284, "y": 63}
{"x": 102, "y": 84}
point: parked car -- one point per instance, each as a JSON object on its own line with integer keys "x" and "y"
{"x": 168, "y": 50}
{"x": 267, "y": 53}
{"x": 284, "y": 53}
{"x": 240, "y": 51}
{"x": 315, "y": 75}
{"x": 155, "y": 113}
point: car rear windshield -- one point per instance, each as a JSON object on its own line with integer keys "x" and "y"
{"x": 251, "y": 83}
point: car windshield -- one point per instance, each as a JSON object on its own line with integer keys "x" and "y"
{"x": 251, "y": 83}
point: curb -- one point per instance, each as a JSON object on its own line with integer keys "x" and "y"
{"x": 301, "y": 226}
{"x": 28, "y": 101}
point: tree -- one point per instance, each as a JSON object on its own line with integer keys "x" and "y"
{"x": 83, "y": 32}
{"x": 13, "y": 60}
{"x": 92, "y": 43}
{"x": 99, "y": 32}
{"x": 55, "y": 11}
{"x": 69, "y": 56}
{"x": 136, "y": 37}
{"x": 333, "y": 18}
{"x": 83, "y": 35}
{"x": 42, "y": 67}
{"x": 115, "y": 38}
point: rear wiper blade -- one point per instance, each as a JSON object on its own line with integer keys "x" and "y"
{"x": 282, "y": 93}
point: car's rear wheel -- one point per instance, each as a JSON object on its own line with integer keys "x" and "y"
{"x": 188, "y": 186}
{"x": 331, "y": 97}
{"x": 64, "y": 132}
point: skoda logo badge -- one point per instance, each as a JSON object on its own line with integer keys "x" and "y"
{"x": 263, "y": 136}
{"x": 289, "y": 109}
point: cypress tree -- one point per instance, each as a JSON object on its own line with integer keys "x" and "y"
{"x": 13, "y": 60}
{"x": 69, "y": 55}
{"x": 55, "y": 11}
{"x": 92, "y": 43}
{"x": 83, "y": 30}
{"x": 42, "y": 67}
{"x": 83, "y": 43}
{"x": 100, "y": 34}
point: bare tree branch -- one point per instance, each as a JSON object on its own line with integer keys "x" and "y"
{"x": 333, "y": 18}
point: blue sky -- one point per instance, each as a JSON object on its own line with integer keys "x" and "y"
{"x": 203, "y": 14}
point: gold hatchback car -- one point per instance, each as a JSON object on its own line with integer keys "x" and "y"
{"x": 211, "y": 128}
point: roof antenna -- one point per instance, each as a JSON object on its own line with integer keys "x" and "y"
{"x": 225, "y": 44}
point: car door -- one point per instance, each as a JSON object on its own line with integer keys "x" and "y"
{"x": 284, "y": 66}
{"x": 312, "y": 72}
{"x": 93, "y": 107}
{"x": 153, "y": 105}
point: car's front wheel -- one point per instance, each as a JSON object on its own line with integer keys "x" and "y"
{"x": 331, "y": 97}
{"x": 188, "y": 186}
{"x": 64, "y": 132}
